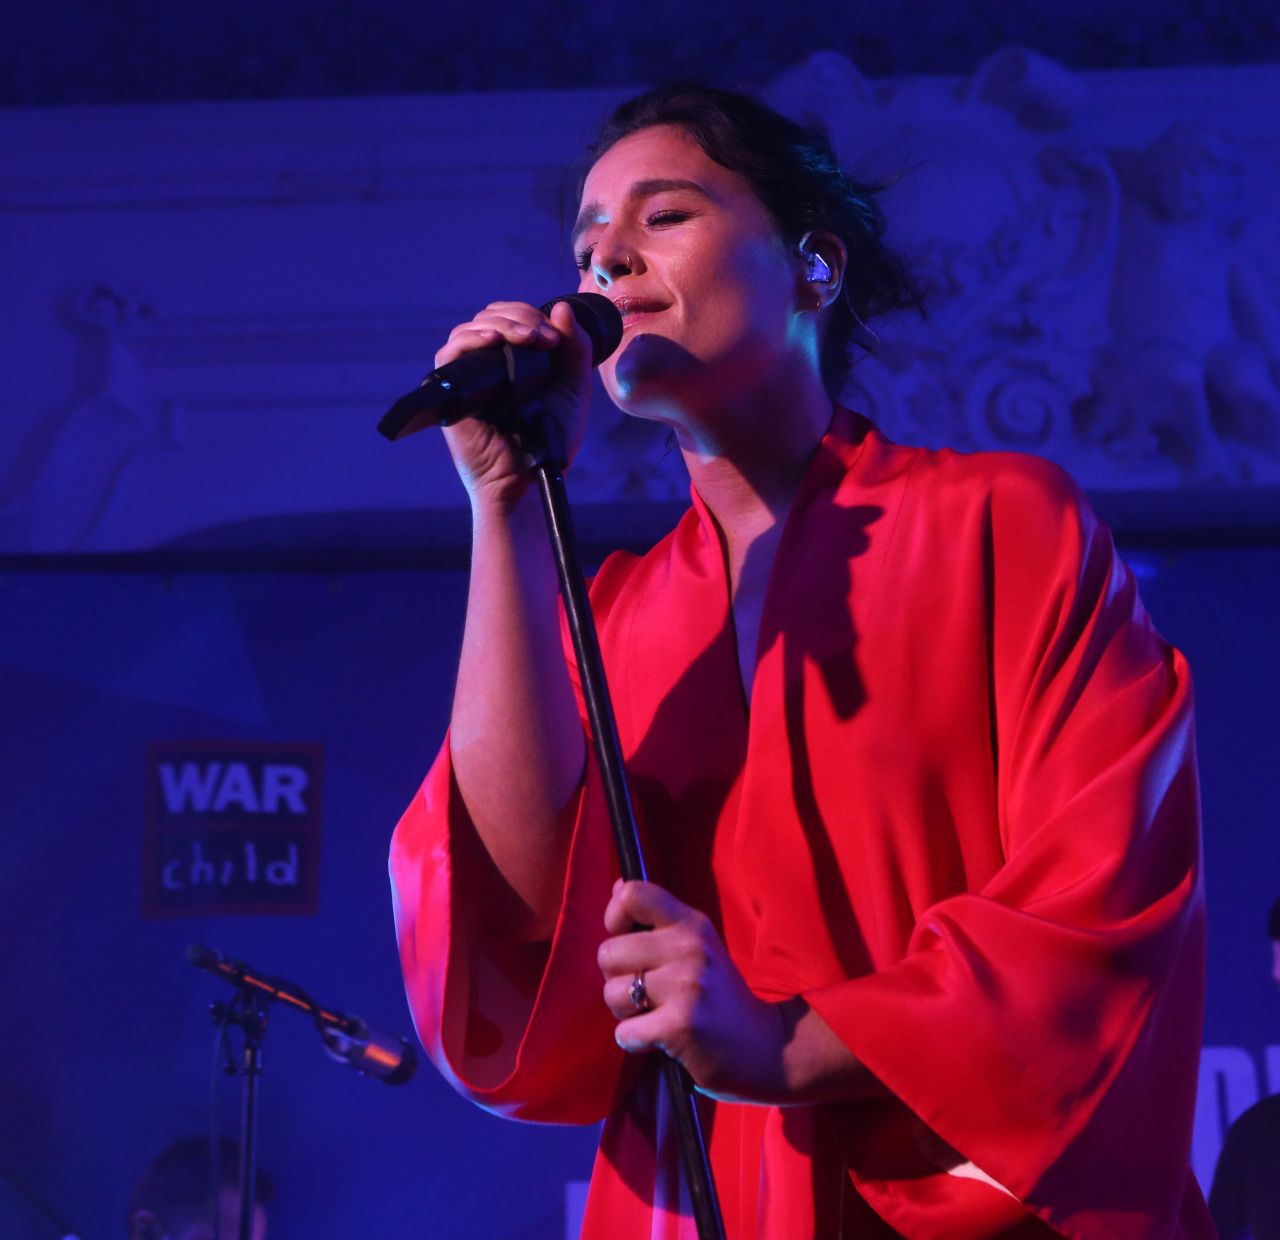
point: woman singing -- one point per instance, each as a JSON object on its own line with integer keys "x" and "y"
{"x": 913, "y": 770}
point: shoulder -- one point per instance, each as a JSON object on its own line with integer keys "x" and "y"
{"x": 1016, "y": 501}
{"x": 1014, "y": 481}
{"x": 1023, "y": 527}
{"x": 625, "y": 576}
{"x": 1248, "y": 1147}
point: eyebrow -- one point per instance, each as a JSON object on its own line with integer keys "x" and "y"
{"x": 638, "y": 190}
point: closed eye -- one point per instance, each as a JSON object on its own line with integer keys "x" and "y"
{"x": 658, "y": 219}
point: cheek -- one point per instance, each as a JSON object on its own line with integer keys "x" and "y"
{"x": 748, "y": 316}
{"x": 746, "y": 288}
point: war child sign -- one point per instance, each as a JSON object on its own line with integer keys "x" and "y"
{"x": 232, "y": 827}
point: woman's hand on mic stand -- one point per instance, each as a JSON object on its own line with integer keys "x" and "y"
{"x": 491, "y": 467}
{"x": 673, "y": 987}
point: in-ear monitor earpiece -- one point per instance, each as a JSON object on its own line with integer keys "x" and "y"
{"x": 817, "y": 269}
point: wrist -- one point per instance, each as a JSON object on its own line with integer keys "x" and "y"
{"x": 511, "y": 512}
{"x": 816, "y": 1065}
{"x": 797, "y": 1066}
{"x": 500, "y": 499}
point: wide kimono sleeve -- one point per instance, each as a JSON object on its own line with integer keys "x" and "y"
{"x": 1047, "y": 1025}
{"x": 520, "y": 1028}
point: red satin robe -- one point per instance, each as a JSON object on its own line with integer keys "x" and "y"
{"x": 960, "y": 817}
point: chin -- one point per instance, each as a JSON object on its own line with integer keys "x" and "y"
{"x": 647, "y": 359}
{"x": 653, "y": 377}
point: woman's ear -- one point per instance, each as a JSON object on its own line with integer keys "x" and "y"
{"x": 823, "y": 258}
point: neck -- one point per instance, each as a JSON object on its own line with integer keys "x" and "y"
{"x": 748, "y": 463}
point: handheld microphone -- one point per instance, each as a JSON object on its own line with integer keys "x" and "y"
{"x": 471, "y": 384}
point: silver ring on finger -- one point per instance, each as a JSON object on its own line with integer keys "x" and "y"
{"x": 638, "y": 993}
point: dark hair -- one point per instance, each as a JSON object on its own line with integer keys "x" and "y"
{"x": 177, "y": 1186}
{"x": 795, "y": 173}
{"x": 1273, "y": 922}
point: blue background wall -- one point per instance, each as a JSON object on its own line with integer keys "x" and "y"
{"x": 107, "y": 1042}
{"x": 107, "y": 1046}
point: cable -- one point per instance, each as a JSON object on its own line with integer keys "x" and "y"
{"x": 67, "y": 1232}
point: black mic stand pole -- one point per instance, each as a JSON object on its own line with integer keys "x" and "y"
{"x": 544, "y": 445}
{"x": 248, "y": 1011}
{"x": 254, "y": 1025}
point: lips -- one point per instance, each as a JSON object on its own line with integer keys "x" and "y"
{"x": 633, "y": 308}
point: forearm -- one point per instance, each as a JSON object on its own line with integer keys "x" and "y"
{"x": 516, "y": 740}
{"x": 816, "y": 1066}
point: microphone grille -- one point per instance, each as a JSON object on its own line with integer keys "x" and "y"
{"x": 598, "y": 317}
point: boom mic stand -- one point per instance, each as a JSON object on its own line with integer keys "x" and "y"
{"x": 347, "y": 1039}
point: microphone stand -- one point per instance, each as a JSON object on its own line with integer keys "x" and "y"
{"x": 247, "y": 1011}
{"x": 347, "y": 1039}
{"x": 544, "y": 445}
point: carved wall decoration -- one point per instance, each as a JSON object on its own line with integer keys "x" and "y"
{"x": 184, "y": 422}
{"x": 76, "y": 462}
{"x": 1105, "y": 302}
{"x": 218, "y": 301}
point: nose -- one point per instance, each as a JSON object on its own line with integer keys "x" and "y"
{"x": 610, "y": 261}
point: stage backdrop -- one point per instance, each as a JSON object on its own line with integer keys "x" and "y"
{"x": 107, "y": 1046}
{"x": 229, "y": 613}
